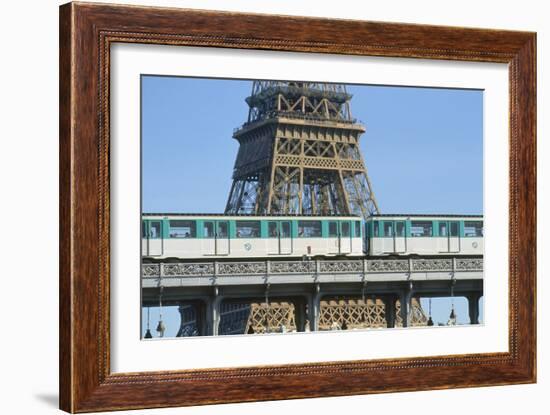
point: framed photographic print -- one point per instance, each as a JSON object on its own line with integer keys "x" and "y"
{"x": 260, "y": 207}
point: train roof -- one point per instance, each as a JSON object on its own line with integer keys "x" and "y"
{"x": 423, "y": 215}
{"x": 247, "y": 215}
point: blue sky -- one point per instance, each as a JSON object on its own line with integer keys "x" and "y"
{"x": 423, "y": 149}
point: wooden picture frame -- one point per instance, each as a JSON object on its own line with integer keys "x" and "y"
{"x": 86, "y": 33}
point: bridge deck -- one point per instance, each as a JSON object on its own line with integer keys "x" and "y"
{"x": 309, "y": 281}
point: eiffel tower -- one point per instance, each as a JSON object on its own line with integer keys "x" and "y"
{"x": 299, "y": 153}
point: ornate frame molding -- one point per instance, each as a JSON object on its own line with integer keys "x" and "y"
{"x": 86, "y": 33}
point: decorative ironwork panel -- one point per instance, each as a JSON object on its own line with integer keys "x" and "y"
{"x": 388, "y": 265}
{"x": 432, "y": 265}
{"x": 291, "y": 267}
{"x": 150, "y": 270}
{"x": 242, "y": 268}
{"x": 183, "y": 269}
{"x": 469, "y": 264}
{"x": 341, "y": 266}
{"x": 307, "y": 267}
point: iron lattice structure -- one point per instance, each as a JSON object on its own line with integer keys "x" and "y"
{"x": 299, "y": 153}
{"x": 351, "y": 314}
{"x": 189, "y": 322}
{"x": 346, "y": 314}
{"x": 271, "y": 318}
{"x": 418, "y": 316}
{"x": 280, "y": 316}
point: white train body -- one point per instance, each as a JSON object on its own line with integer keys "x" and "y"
{"x": 424, "y": 235}
{"x": 183, "y": 236}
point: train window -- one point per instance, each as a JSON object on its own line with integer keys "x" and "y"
{"x": 443, "y": 231}
{"x": 421, "y": 228}
{"x": 272, "y": 229}
{"x": 333, "y": 229}
{"x": 222, "y": 230}
{"x": 399, "y": 228}
{"x": 346, "y": 231}
{"x": 473, "y": 229}
{"x": 143, "y": 229}
{"x": 285, "y": 229}
{"x": 208, "y": 229}
{"x": 154, "y": 230}
{"x": 357, "y": 229}
{"x": 182, "y": 229}
{"x": 309, "y": 228}
{"x": 248, "y": 229}
{"x": 376, "y": 227}
{"x": 388, "y": 229}
{"x": 454, "y": 228}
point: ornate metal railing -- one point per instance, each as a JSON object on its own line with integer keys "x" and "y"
{"x": 350, "y": 266}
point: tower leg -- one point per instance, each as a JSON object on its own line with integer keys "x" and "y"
{"x": 184, "y": 314}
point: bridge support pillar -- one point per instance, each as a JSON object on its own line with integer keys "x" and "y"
{"x": 202, "y": 322}
{"x": 300, "y": 314}
{"x": 405, "y": 298}
{"x": 314, "y": 308}
{"x": 473, "y": 307}
{"x": 389, "y": 310}
{"x": 213, "y": 315}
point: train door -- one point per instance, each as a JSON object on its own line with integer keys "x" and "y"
{"x": 356, "y": 240}
{"x": 273, "y": 238}
{"x": 154, "y": 238}
{"x": 454, "y": 238}
{"x": 333, "y": 238}
{"x": 285, "y": 239}
{"x": 208, "y": 241}
{"x": 449, "y": 240}
{"x": 345, "y": 237}
{"x": 399, "y": 241}
{"x": 144, "y": 239}
{"x": 279, "y": 241}
{"x": 388, "y": 239}
{"x": 222, "y": 238}
{"x": 443, "y": 242}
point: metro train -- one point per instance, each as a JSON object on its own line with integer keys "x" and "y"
{"x": 196, "y": 236}
{"x": 201, "y": 236}
{"x": 424, "y": 235}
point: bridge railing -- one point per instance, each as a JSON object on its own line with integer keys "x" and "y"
{"x": 301, "y": 267}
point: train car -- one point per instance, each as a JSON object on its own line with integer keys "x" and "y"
{"x": 199, "y": 236}
{"x": 424, "y": 235}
